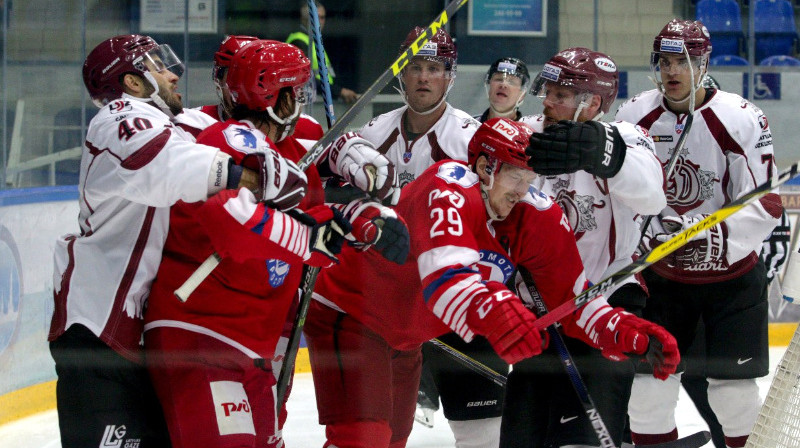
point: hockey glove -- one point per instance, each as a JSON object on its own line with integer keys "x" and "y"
{"x": 568, "y": 146}
{"x": 375, "y": 224}
{"x": 327, "y": 230}
{"x": 282, "y": 185}
{"x": 708, "y": 246}
{"x": 500, "y": 317}
{"x": 356, "y": 161}
{"x": 617, "y": 332}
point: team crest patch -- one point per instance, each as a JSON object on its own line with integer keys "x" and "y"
{"x": 241, "y": 138}
{"x": 278, "y": 269}
{"x": 495, "y": 266}
{"x": 456, "y": 173}
{"x": 407, "y": 156}
{"x": 119, "y": 106}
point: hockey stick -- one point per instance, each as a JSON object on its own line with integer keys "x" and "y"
{"x": 197, "y": 277}
{"x": 599, "y": 426}
{"x": 323, "y": 67}
{"x": 309, "y": 272}
{"x": 665, "y": 249}
{"x": 471, "y": 363}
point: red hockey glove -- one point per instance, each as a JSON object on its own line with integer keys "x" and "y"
{"x": 328, "y": 228}
{"x": 375, "y": 224}
{"x": 619, "y": 332}
{"x": 500, "y": 316}
{"x": 282, "y": 184}
{"x": 356, "y": 161}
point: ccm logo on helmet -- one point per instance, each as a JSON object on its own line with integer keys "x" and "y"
{"x": 287, "y": 79}
{"x": 505, "y": 129}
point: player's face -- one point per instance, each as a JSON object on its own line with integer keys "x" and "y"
{"x": 425, "y": 83}
{"x": 511, "y": 184}
{"x": 504, "y": 92}
{"x": 676, "y": 75}
{"x": 167, "y": 88}
{"x": 560, "y": 103}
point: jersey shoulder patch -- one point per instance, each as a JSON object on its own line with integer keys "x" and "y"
{"x": 243, "y": 138}
{"x": 457, "y": 173}
{"x": 537, "y": 199}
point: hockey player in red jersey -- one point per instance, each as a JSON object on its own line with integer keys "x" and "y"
{"x": 602, "y": 204}
{"x": 306, "y": 127}
{"x": 471, "y": 224}
{"x": 209, "y": 357}
{"x": 718, "y": 275}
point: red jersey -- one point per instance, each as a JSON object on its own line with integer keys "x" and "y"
{"x": 454, "y": 249}
{"x": 245, "y": 300}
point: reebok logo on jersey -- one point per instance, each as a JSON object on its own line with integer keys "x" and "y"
{"x": 567, "y": 419}
{"x": 741, "y": 361}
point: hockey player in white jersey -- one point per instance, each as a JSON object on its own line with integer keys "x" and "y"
{"x": 601, "y": 202}
{"x": 427, "y": 129}
{"x": 136, "y": 162}
{"x": 717, "y": 276}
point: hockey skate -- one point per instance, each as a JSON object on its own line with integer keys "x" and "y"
{"x": 425, "y": 410}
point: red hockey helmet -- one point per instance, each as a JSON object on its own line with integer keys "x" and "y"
{"x": 260, "y": 69}
{"x": 108, "y": 62}
{"x": 501, "y": 139}
{"x": 439, "y": 48}
{"x": 228, "y": 47}
{"x": 583, "y": 70}
{"x": 679, "y": 33}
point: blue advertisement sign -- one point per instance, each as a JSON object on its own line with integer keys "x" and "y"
{"x": 508, "y": 18}
{"x": 766, "y": 86}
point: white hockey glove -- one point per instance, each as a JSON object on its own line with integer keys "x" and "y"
{"x": 356, "y": 161}
{"x": 708, "y": 246}
{"x": 282, "y": 184}
{"x": 375, "y": 224}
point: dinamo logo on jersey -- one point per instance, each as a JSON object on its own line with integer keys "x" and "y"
{"x": 241, "y": 138}
{"x": 278, "y": 269}
{"x": 689, "y": 186}
{"x": 579, "y": 210}
{"x": 10, "y": 289}
{"x": 457, "y": 173}
{"x": 495, "y": 266}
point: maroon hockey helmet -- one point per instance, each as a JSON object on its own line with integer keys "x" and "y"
{"x": 260, "y": 69}
{"x": 584, "y": 70}
{"x": 108, "y": 62}
{"x": 440, "y": 47}
{"x": 228, "y": 47}
{"x": 679, "y": 33}
{"x": 501, "y": 139}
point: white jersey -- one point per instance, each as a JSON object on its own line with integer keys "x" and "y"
{"x": 446, "y": 139}
{"x": 135, "y": 164}
{"x": 603, "y": 212}
{"x": 193, "y": 121}
{"x": 728, "y": 152}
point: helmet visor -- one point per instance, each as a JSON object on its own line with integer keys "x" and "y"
{"x": 159, "y": 59}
